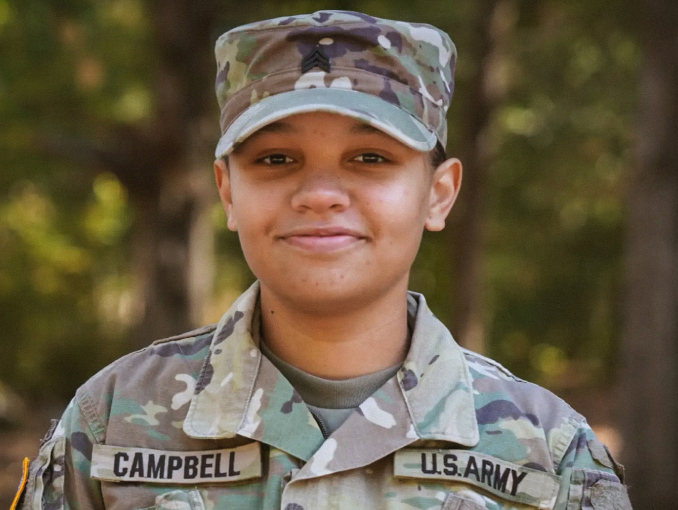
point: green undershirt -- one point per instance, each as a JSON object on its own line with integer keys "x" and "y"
{"x": 330, "y": 401}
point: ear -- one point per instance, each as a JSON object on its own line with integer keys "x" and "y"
{"x": 223, "y": 178}
{"x": 445, "y": 186}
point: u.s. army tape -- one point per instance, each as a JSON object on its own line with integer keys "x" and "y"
{"x": 505, "y": 479}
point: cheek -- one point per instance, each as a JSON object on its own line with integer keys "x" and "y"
{"x": 402, "y": 209}
{"x": 254, "y": 207}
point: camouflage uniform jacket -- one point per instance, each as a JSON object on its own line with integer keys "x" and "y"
{"x": 203, "y": 421}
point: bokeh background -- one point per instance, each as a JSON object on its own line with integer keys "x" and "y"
{"x": 560, "y": 259}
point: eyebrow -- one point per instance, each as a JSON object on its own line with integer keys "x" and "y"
{"x": 279, "y": 126}
{"x": 362, "y": 128}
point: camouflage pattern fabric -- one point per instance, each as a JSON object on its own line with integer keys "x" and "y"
{"x": 393, "y": 75}
{"x": 204, "y": 421}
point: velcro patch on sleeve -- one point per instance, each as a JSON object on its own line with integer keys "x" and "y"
{"x": 125, "y": 464}
{"x": 606, "y": 495}
{"x": 504, "y": 479}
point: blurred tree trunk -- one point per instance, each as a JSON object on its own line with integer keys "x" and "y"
{"x": 650, "y": 340}
{"x": 494, "y": 22}
{"x": 167, "y": 172}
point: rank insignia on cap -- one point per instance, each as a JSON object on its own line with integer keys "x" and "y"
{"x": 316, "y": 58}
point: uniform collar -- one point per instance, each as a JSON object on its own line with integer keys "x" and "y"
{"x": 436, "y": 382}
{"x": 239, "y": 392}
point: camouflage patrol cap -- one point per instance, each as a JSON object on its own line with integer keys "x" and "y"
{"x": 392, "y": 75}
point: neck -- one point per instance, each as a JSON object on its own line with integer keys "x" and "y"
{"x": 340, "y": 346}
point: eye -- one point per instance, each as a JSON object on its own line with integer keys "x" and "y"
{"x": 370, "y": 158}
{"x": 276, "y": 159}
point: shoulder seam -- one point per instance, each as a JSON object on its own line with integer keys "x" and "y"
{"x": 494, "y": 363}
{"x": 90, "y": 414}
{"x": 189, "y": 334}
{"x": 576, "y": 421}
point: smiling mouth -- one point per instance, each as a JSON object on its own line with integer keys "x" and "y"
{"x": 326, "y": 239}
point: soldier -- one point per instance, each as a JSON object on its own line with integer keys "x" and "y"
{"x": 327, "y": 384}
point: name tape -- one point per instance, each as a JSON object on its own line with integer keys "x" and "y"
{"x": 123, "y": 464}
{"x": 509, "y": 481}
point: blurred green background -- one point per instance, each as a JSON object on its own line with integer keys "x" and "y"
{"x": 78, "y": 75}
{"x": 111, "y": 234}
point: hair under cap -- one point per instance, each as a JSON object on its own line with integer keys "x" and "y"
{"x": 397, "y": 77}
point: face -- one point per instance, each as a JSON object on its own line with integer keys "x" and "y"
{"x": 330, "y": 211}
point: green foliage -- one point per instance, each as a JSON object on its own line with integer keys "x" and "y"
{"x": 554, "y": 220}
{"x": 555, "y": 217}
{"x": 62, "y": 251}
{"x": 64, "y": 230}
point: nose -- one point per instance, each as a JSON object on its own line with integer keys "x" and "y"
{"x": 320, "y": 192}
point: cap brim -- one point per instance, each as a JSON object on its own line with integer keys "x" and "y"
{"x": 370, "y": 109}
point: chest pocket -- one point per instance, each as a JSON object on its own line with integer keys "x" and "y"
{"x": 179, "y": 500}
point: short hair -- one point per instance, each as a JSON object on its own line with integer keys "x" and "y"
{"x": 437, "y": 156}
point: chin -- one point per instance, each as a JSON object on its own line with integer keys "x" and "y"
{"x": 328, "y": 292}
{"x": 312, "y": 291}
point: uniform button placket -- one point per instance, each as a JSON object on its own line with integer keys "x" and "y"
{"x": 293, "y": 506}
{"x": 291, "y": 499}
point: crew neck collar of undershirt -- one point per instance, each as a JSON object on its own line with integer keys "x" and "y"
{"x": 318, "y": 391}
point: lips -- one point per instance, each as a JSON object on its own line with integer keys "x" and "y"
{"x": 323, "y": 238}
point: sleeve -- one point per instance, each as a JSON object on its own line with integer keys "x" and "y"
{"x": 592, "y": 479}
{"x": 59, "y": 478}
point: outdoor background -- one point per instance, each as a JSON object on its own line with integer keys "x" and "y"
{"x": 560, "y": 259}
